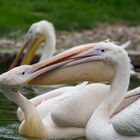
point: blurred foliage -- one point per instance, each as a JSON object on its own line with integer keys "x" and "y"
{"x": 66, "y": 14}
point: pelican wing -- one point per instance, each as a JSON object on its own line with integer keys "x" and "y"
{"x": 127, "y": 121}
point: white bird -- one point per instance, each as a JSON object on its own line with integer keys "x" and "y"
{"x": 100, "y": 126}
{"x": 13, "y": 80}
{"x": 41, "y": 33}
{"x": 34, "y": 125}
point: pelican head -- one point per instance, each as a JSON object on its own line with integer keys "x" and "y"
{"x": 19, "y": 76}
{"x": 92, "y": 62}
{"x": 109, "y": 52}
{"x": 16, "y": 77}
{"x": 40, "y": 33}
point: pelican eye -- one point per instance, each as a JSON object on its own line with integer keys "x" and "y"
{"x": 23, "y": 73}
{"x": 102, "y": 50}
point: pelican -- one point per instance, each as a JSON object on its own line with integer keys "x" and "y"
{"x": 33, "y": 125}
{"x": 38, "y": 125}
{"x": 40, "y": 33}
{"x": 125, "y": 125}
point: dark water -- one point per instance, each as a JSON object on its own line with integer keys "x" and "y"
{"x": 8, "y": 120}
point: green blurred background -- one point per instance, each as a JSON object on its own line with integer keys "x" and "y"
{"x": 66, "y": 14}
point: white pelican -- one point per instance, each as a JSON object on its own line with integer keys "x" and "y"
{"x": 40, "y": 33}
{"x": 13, "y": 80}
{"x": 34, "y": 125}
{"x": 125, "y": 125}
